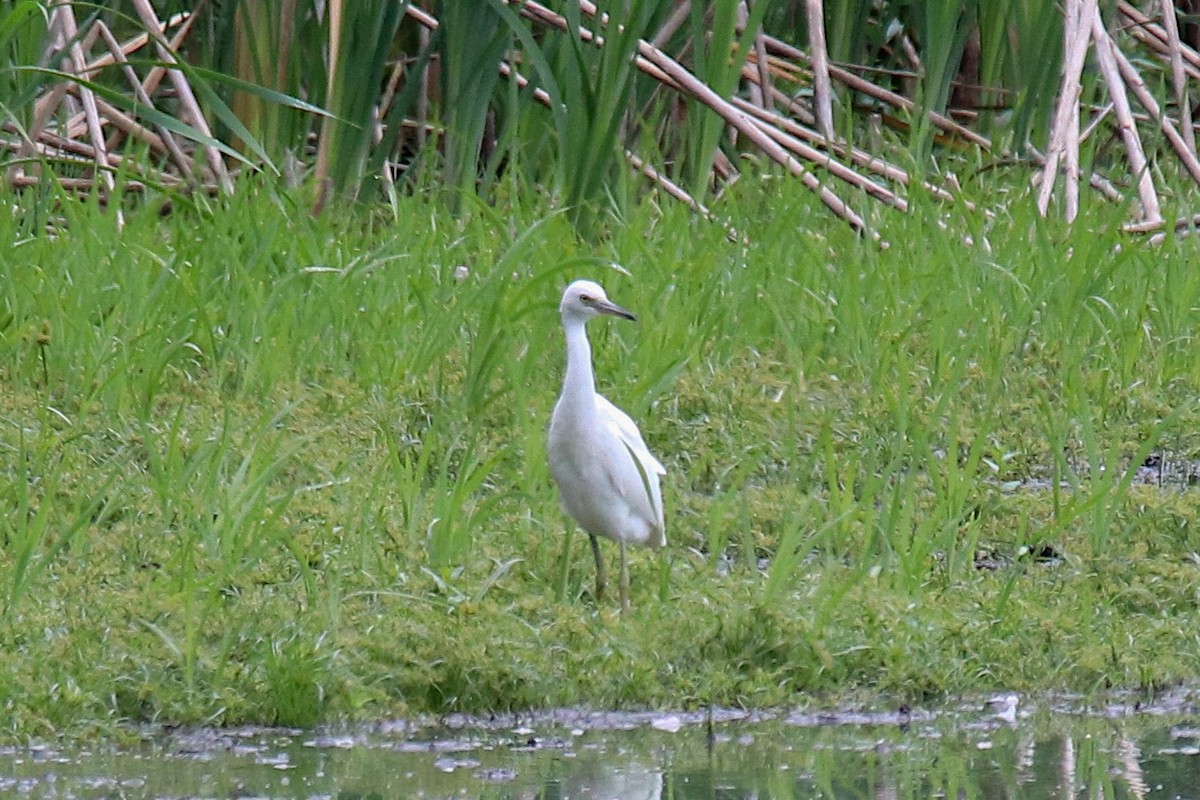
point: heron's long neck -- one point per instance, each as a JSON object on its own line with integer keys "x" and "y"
{"x": 579, "y": 385}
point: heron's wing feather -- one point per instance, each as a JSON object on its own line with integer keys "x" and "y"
{"x": 627, "y": 430}
{"x": 648, "y": 467}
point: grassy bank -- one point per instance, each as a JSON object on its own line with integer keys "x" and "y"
{"x": 266, "y": 468}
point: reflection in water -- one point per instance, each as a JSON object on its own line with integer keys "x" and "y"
{"x": 1128, "y": 754}
{"x": 886, "y": 787}
{"x": 1026, "y": 750}
{"x": 1067, "y": 767}
{"x": 949, "y": 753}
{"x": 627, "y": 781}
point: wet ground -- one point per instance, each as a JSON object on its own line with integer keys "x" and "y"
{"x": 1166, "y": 470}
{"x": 999, "y": 746}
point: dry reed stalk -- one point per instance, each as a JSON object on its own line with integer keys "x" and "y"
{"x": 674, "y": 22}
{"x": 1098, "y": 182}
{"x": 129, "y": 126}
{"x": 1071, "y": 168}
{"x": 778, "y": 129}
{"x": 862, "y": 158}
{"x": 74, "y": 184}
{"x": 51, "y": 145}
{"x": 1180, "y": 225}
{"x": 1146, "y": 98}
{"x": 428, "y": 23}
{"x": 183, "y": 91}
{"x": 43, "y": 107}
{"x": 389, "y": 92}
{"x": 71, "y": 151}
{"x": 65, "y": 16}
{"x": 323, "y": 183}
{"x": 790, "y": 135}
{"x": 1098, "y": 117}
{"x": 134, "y": 43}
{"x": 792, "y": 107}
{"x": 852, "y": 81}
{"x": 745, "y": 125}
{"x": 1150, "y": 33}
{"x": 1076, "y": 14}
{"x": 539, "y": 94}
{"x": 540, "y": 13}
{"x": 802, "y": 129}
{"x": 117, "y": 52}
{"x": 757, "y": 96}
{"x": 822, "y": 88}
{"x": 155, "y": 75}
{"x": 1178, "y": 76}
{"x": 1107, "y": 59}
{"x": 76, "y": 125}
{"x": 679, "y": 193}
{"x": 781, "y": 68}
{"x": 658, "y": 64}
{"x": 1064, "y": 131}
{"x": 766, "y": 96}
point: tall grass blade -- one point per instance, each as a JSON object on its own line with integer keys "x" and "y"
{"x": 720, "y": 50}
{"x": 599, "y": 94}
{"x": 472, "y": 39}
{"x": 366, "y": 38}
{"x": 944, "y": 28}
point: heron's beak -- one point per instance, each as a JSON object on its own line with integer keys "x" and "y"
{"x": 608, "y": 307}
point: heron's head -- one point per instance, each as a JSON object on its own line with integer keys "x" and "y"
{"x": 584, "y": 300}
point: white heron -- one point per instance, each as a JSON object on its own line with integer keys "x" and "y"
{"x": 607, "y": 478}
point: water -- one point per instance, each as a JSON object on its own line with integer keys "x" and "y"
{"x": 1008, "y": 748}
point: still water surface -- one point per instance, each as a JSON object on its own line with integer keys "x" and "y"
{"x": 1008, "y": 748}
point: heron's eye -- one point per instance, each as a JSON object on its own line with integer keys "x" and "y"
{"x": 583, "y": 298}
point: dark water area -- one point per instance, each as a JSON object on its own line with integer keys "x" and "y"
{"x": 1000, "y": 747}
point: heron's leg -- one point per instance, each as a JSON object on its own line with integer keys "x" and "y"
{"x": 564, "y": 564}
{"x": 624, "y": 579}
{"x": 600, "y": 579}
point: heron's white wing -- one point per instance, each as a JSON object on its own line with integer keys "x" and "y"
{"x": 649, "y": 467}
{"x": 628, "y": 431}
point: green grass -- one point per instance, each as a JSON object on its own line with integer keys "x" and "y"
{"x": 260, "y": 467}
